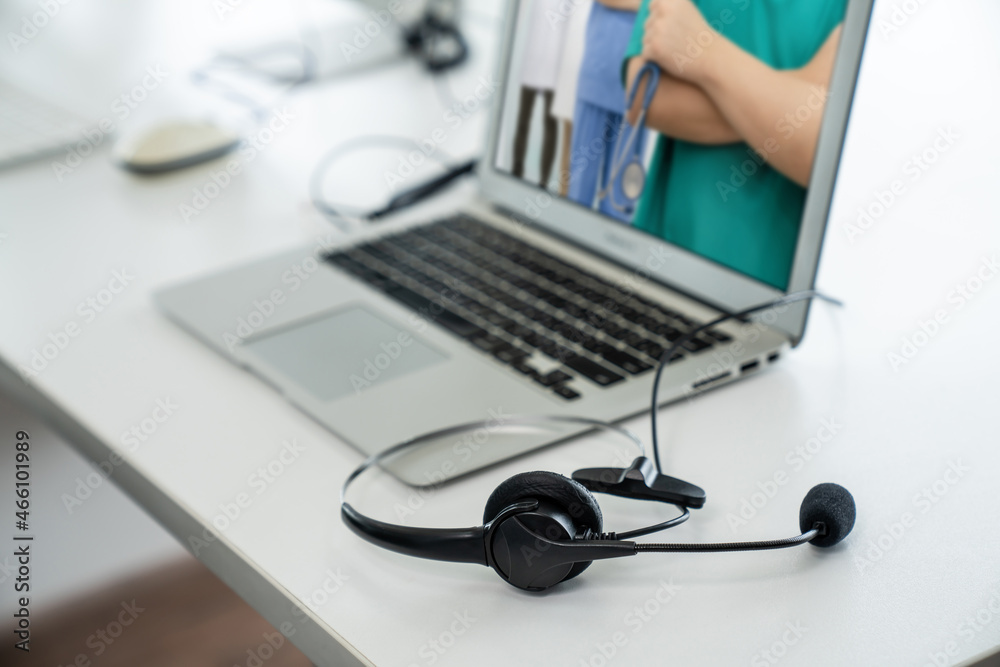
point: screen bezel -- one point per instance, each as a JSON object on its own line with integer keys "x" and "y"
{"x": 692, "y": 274}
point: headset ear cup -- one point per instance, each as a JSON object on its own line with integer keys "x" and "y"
{"x": 570, "y": 495}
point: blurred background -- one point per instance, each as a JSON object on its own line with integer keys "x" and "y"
{"x": 136, "y": 64}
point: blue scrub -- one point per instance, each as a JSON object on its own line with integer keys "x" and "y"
{"x": 599, "y": 110}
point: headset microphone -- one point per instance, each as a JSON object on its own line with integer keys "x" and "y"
{"x": 826, "y": 517}
{"x": 531, "y": 554}
{"x": 832, "y": 506}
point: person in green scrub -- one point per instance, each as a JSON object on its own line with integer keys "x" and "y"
{"x": 739, "y": 105}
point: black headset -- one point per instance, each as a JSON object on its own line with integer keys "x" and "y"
{"x": 541, "y": 528}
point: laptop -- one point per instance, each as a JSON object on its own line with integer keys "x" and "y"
{"x": 536, "y": 297}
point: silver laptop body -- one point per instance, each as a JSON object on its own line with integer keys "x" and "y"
{"x": 378, "y": 367}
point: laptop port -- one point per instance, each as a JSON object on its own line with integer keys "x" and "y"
{"x": 773, "y": 357}
{"x": 749, "y": 366}
{"x": 708, "y": 381}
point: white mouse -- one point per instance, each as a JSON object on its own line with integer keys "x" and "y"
{"x": 174, "y": 144}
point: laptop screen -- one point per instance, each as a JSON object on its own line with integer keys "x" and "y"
{"x": 721, "y": 162}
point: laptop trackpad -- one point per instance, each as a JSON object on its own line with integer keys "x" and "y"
{"x": 343, "y": 353}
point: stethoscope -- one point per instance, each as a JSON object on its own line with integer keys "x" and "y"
{"x": 626, "y": 163}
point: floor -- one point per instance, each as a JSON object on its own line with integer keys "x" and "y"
{"x": 178, "y": 616}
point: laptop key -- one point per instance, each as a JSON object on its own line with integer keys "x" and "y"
{"x": 718, "y": 335}
{"x": 499, "y": 320}
{"x": 530, "y": 337}
{"x": 553, "y": 378}
{"x": 510, "y": 354}
{"x": 624, "y": 360}
{"x": 634, "y": 340}
{"x": 489, "y": 343}
{"x": 566, "y": 392}
{"x": 672, "y": 334}
{"x": 695, "y": 345}
{"x": 630, "y": 314}
{"x": 446, "y": 318}
{"x": 592, "y": 370}
{"x": 615, "y": 331}
{"x": 654, "y": 350}
{"x": 523, "y": 367}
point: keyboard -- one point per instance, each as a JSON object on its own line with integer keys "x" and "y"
{"x": 31, "y": 128}
{"x": 547, "y": 319}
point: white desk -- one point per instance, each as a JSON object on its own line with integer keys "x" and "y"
{"x": 898, "y": 592}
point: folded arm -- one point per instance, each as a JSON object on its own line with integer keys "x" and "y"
{"x": 680, "y": 110}
{"x": 725, "y": 95}
{"x": 778, "y": 113}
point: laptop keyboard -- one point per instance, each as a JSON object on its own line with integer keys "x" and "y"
{"x": 549, "y": 320}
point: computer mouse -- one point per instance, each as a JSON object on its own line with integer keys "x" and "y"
{"x": 174, "y": 144}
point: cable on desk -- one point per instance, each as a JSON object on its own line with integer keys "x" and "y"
{"x": 639, "y": 532}
{"x": 209, "y": 76}
{"x": 344, "y": 216}
{"x": 788, "y": 299}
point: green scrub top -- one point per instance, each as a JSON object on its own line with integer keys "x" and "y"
{"x": 693, "y": 197}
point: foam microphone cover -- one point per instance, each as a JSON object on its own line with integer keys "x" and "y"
{"x": 832, "y": 505}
